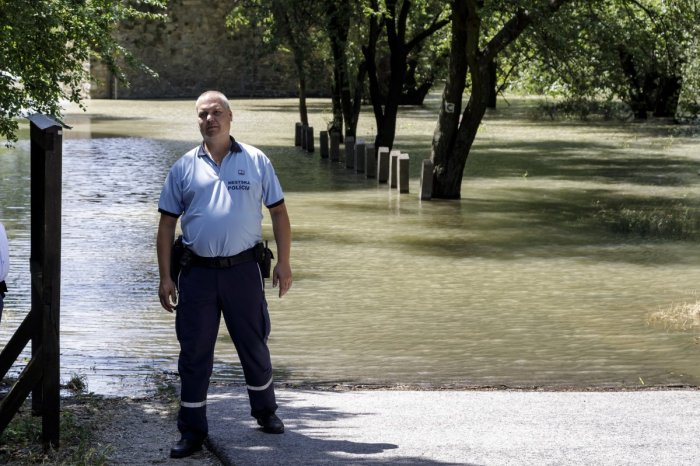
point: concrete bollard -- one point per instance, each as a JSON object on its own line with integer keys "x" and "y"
{"x": 370, "y": 161}
{"x": 304, "y": 135}
{"x": 402, "y": 177}
{"x": 360, "y": 154}
{"x": 393, "y": 165}
{"x": 323, "y": 142}
{"x": 335, "y": 146}
{"x": 297, "y": 134}
{"x": 309, "y": 138}
{"x": 349, "y": 152}
{"x": 426, "y": 180}
{"x": 382, "y": 164}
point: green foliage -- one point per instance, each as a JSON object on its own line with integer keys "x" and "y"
{"x": 642, "y": 52}
{"x": 689, "y": 105}
{"x": 45, "y": 46}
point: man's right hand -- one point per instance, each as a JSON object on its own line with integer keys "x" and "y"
{"x": 167, "y": 292}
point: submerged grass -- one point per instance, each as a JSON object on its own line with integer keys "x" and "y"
{"x": 671, "y": 222}
{"x": 683, "y": 316}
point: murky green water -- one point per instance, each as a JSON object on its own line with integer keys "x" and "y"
{"x": 522, "y": 282}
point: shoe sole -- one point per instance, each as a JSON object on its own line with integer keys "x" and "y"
{"x": 267, "y": 430}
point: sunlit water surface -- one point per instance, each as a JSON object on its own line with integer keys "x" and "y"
{"x": 520, "y": 283}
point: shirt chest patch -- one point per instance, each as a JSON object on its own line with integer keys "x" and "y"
{"x": 238, "y": 185}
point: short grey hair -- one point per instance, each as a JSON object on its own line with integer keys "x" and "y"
{"x": 218, "y": 95}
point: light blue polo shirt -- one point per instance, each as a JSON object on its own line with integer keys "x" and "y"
{"x": 221, "y": 206}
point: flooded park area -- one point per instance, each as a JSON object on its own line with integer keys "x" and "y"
{"x": 565, "y": 264}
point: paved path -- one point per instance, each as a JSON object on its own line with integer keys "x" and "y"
{"x": 461, "y": 428}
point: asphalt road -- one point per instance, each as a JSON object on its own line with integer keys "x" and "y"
{"x": 390, "y": 427}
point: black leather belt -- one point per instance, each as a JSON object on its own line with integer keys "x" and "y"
{"x": 248, "y": 255}
{"x": 3, "y": 287}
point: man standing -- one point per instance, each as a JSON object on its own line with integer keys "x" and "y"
{"x": 4, "y": 265}
{"x": 218, "y": 189}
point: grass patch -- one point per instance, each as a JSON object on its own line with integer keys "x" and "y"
{"x": 672, "y": 222}
{"x": 21, "y": 442}
{"x": 684, "y": 316}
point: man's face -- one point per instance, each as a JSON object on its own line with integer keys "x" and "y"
{"x": 213, "y": 117}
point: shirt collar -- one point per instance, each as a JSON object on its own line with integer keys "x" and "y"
{"x": 234, "y": 148}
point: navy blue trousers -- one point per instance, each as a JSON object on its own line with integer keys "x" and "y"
{"x": 205, "y": 294}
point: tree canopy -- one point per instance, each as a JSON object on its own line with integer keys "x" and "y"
{"x": 46, "y": 46}
{"x": 640, "y": 52}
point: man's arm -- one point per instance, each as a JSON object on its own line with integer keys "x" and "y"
{"x": 282, "y": 273}
{"x": 167, "y": 292}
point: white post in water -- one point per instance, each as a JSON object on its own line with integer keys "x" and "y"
{"x": 323, "y": 142}
{"x": 370, "y": 162}
{"x": 402, "y": 173}
{"x": 360, "y": 152}
{"x": 393, "y": 165}
{"x": 297, "y": 134}
{"x": 335, "y": 146}
{"x": 349, "y": 152}
{"x": 382, "y": 164}
{"x": 426, "y": 180}
{"x": 310, "y": 138}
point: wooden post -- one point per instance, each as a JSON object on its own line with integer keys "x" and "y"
{"x": 335, "y": 146}
{"x": 360, "y": 151}
{"x": 402, "y": 175}
{"x": 383, "y": 164}
{"x": 304, "y": 135}
{"x": 323, "y": 142}
{"x": 393, "y": 164}
{"x": 42, "y": 325}
{"x": 426, "y": 180}
{"x": 370, "y": 162}
{"x": 349, "y": 152}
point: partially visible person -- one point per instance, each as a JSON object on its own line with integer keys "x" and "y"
{"x": 4, "y": 265}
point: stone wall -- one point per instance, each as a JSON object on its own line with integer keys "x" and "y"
{"x": 192, "y": 51}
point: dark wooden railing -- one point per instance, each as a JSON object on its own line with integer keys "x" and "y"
{"x": 41, "y": 376}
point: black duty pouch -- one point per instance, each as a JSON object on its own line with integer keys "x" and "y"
{"x": 176, "y": 255}
{"x": 263, "y": 255}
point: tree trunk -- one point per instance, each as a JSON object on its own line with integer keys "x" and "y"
{"x": 447, "y": 180}
{"x": 453, "y": 138}
{"x": 447, "y": 173}
{"x": 301, "y": 72}
{"x": 338, "y": 25}
{"x": 667, "y": 94}
{"x": 493, "y": 84}
{"x": 386, "y": 128}
{"x": 396, "y": 26}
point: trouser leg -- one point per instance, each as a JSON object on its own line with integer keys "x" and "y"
{"x": 197, "y": 326}
{"x": 248, "y": 322}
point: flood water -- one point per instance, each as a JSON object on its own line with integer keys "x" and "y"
{"x": 521, "y": 283}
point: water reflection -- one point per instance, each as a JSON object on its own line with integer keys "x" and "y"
{"x": 520, "y": 283}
